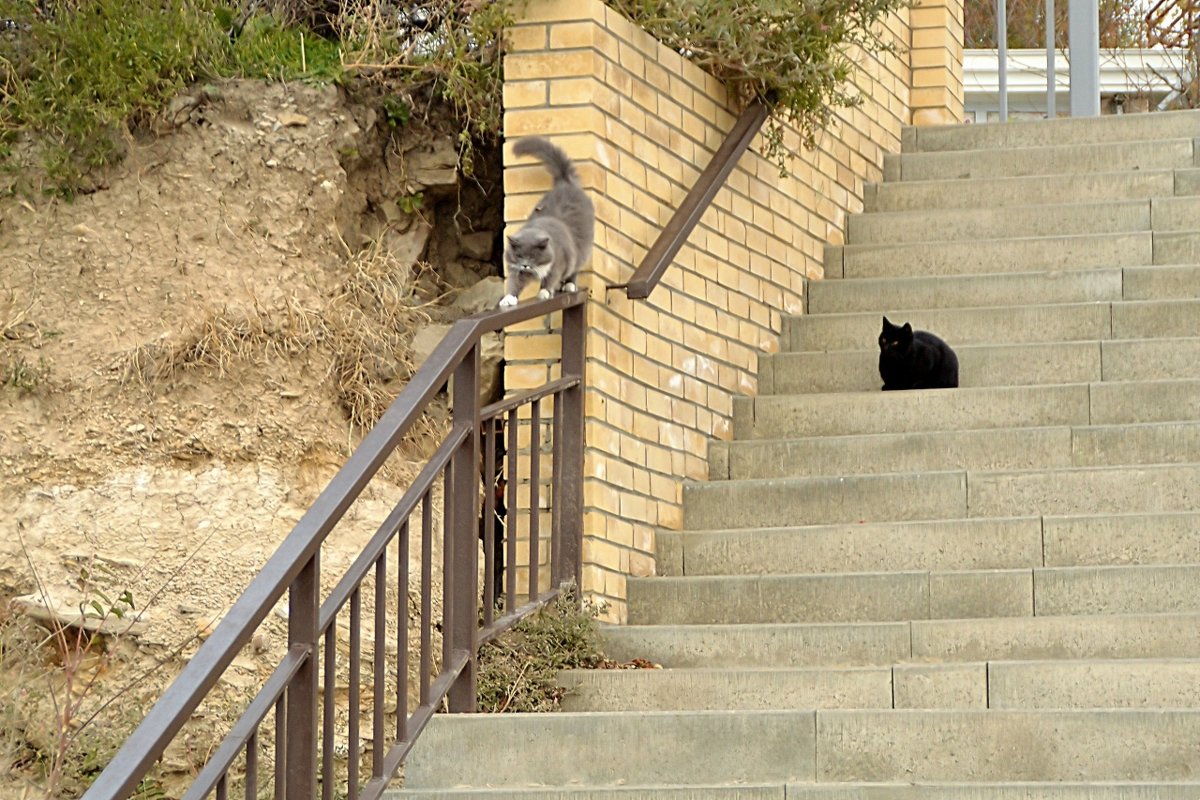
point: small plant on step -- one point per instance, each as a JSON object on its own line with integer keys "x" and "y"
{"x": 518, "y": 671}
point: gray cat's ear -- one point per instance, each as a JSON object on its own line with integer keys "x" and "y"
{"x": 512, "y": 241}
{"x": 541, "y": 240}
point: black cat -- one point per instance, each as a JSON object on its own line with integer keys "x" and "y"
{"x": 911, "y": 359}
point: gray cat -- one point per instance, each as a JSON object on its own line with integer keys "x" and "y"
{"x": 557, "y": 239}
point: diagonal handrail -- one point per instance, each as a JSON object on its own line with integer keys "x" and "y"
{"x": 293, "y": 567}
{"x": 673, "y": 236}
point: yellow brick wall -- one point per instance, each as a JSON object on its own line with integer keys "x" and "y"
{"x": 641, "y": 123}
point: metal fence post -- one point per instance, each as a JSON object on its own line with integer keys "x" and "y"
{"x": 304, "y": 601}
{"x": 570, "y": 471}
{"x": 1051, "y": 76}
{"x": 462, "y": 593}
{"x": 1002, "y": 56}
{"x": 1083, "y": 30}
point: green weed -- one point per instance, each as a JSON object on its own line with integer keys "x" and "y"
{"x": 518, "y": 671}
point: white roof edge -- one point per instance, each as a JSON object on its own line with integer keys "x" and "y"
{"x": 1129, "y": 70}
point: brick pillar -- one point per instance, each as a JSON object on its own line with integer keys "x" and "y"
{"x": 937, "y": 62}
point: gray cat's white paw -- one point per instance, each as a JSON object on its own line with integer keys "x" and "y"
{"x": 544, "y": 294}
{"x": 569, "y": 286}
{"x": 508, "y": 300}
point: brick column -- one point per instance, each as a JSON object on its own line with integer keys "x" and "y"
{"x": 937, "y": 62}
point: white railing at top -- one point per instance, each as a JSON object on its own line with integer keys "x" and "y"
{"x": 1084, "y": 31}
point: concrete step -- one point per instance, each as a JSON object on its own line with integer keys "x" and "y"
{"x": 1048, "y": 159}
{"x": 822, "y": 500}
{"x": 774, "y": 502}
{"x": 835, "y": 597}
{"x": 1105, "y": 403}
{"x": 1093, "y": 187}
{"x": 1145, "y": 319}
{"x": 1063, "y": 322}
{"x": 990, "y": 256}
{"x": 707, "y": 747}
{"x": 950, "y": 225}
{"x": 958, "y": 544}
{"x": 1151, "y": 359}
{"x": 1064, "y": 131}
{"x": 1113, "y": 539}
{"x": 1020, "y": 790}
{"x": 715, "y": 689}
{"x": 1082, "y": 490}
{"x": 897, "y": 595}
{"x": 1172, "y": 214}
{"x": 985, "y": 449}
{"x": 1111, "y": 636}
{"x": 880, "y": 295}
{"x": 1148, "y": 683}
{"x": 1074, "y": 684}
{"x": 991, "y": 448}
{"x": 993, "y": 365}
{"x": 1059, "y": 790}
{"x": 727, "y": 792}
{"x": 979, "y": 365}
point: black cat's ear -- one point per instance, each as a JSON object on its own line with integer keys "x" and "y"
{"x": 887, "y": 324}
{"x": 907, "y": 331}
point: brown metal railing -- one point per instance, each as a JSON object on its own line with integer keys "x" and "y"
{"x": 300, "y": 695}
{"x": 675, "y": 234}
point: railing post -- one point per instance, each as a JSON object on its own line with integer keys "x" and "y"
{"x": 1051, "y": 70}
{"x": 304, "y": 601}
{"x": 569, "y": 473}
{"x": 1083, "y": 29}
{"x": 462, "y": 593}
{"x": 1002, "y": 56}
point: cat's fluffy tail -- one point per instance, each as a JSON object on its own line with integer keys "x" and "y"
{"x": 556, "y": 161}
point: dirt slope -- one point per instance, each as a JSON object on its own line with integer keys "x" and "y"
{"x": 184, "y": 354}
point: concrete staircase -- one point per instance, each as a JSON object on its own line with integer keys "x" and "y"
{"x": 987, "y": 593}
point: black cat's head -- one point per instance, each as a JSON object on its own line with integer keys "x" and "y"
{"x": 895, "y": 338}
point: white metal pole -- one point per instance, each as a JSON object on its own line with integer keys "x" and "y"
{"x": 1002, "y": 55}
{"x": 1083, "y": 28}
{"x": 1051, "y": 83}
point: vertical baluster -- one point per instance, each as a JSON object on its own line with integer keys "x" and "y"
{"x": 1002, "y": 56}
{"x": 355, "y": 692}
{"x": 402, "y": 637}
{"x": 510, "y": 516}
{"x": 328, "y": 762}
{"x": 252, "y": 766}
{"x": 447, "y": 564}
{"x": 426, "y": 593}
{"x": 556, "y": 478}
{"x": 223, "y": 787}
{"x": 378, "y": 749}
{"x": 462, "y": 549}
{"x": 280, "y": 747}
{"x": 488, "y": 521}
{"x": 535, "y": 458}
{"x": 569, "y": 497}
{"x": 304, "y": 599}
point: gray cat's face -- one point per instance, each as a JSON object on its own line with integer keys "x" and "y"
{"x": 530, "y": 251}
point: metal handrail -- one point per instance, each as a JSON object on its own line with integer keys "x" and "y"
{"x": 685, "y": 218}
{"x": 295, "y": 568}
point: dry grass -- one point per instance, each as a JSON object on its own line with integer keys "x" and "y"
{"x": 366, "y": 327}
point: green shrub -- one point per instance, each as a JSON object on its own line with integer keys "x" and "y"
{"x": 266, "y": 48}
{"x": 518, "y": 671}
{"x": 75, "y": 79}
{"x": 798, "y": 57}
